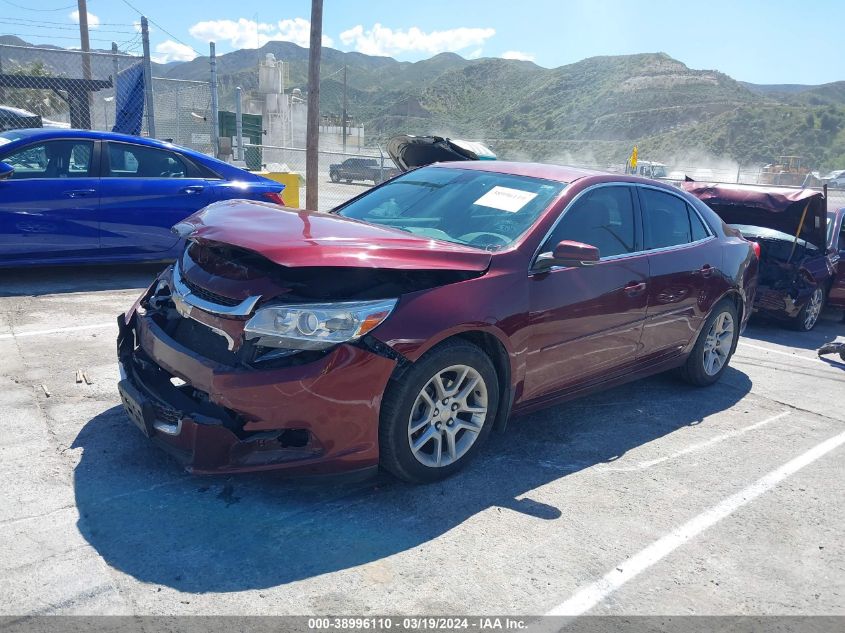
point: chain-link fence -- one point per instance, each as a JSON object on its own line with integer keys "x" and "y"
{"x": 341, "y": 176}
{"x": 183, "y": 113}
{"x": 53, "y": 87}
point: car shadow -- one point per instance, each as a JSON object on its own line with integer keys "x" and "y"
{"x": 828, "y": 327}
{"x": 149, "y": 519}
{"x": 48, "y": 280}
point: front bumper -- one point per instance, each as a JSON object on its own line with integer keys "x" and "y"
{"x": 318, "y": 417}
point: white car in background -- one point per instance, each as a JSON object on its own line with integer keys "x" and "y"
{"x": 836, "y": 179}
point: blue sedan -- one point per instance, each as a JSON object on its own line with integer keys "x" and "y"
{"x": 75, "y": 196}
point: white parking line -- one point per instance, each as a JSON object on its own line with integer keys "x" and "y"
{"x": 60, "y": 330}
{"x": 595, "y": 593}
{"x": 693, "y": 447}
{"x": 813, "y": 360}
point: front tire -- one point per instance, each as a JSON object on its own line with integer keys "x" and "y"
{"x": 437, "y": 415}
{"x": 809, "y": 315}
{"x": 334, "y": 176}
{"x": 716, "y": 342}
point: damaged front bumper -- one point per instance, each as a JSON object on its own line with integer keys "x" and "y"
{"x": 318, "y": 417}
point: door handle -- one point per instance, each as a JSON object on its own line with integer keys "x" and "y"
{"x": 192, "y": 189}
{"x": 706, "y": 270}
{"x": 635, "y": 288}
{"x": 80, "y": 193}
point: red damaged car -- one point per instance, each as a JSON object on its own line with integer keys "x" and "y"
{"x": 800, "y": 267}
{"x": 401, "y": 328}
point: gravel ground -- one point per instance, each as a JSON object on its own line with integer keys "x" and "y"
{"x": 686, "y": 501}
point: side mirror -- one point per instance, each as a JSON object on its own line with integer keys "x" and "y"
{"x": 6, "y": 171}
{"x": 568, "y": 253}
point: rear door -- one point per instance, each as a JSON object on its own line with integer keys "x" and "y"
{"x": 586, "y": 322}
{"x": 684, "y": 267}
{"x": 49, "y": 207}
{"x": 144, "y": 192}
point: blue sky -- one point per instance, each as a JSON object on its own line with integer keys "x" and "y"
{"x": 764, "y": 42}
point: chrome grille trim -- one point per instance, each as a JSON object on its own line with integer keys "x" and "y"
{"x": 242, "y": 309}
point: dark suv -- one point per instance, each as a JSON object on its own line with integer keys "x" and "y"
{"x": 361, "y": 169}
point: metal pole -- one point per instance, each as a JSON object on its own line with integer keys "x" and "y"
{"x": 114, "y": 64}
{"x": 115, "y": 70}
{"x": 148, "y": 79}
{"x": 239, "y": 125}
{"x": 312, "y": 133}
{"x": 215, "y": 126}
{"x": 82, "y": 7}
{"x": 344, "y": 109}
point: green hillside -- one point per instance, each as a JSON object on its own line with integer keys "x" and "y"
{"x": 595, "y": 109}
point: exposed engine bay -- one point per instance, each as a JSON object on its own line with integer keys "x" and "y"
{"x": 244, "y": 276}
{"x": 781, "y": 256}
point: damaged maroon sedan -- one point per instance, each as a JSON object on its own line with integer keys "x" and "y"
{"x": 406, "y": 325}
{"x": 799, "y": 250}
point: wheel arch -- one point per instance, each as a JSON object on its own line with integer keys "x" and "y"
{"x": 738, "y": 299}
{"x": 495, "y": 349}
{"x": 498, "y": 355}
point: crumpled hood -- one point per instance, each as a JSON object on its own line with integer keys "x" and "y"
{"x": 778, "y": 208}
{"x": 409, "y": 152}
{"x": 304, "y": 238}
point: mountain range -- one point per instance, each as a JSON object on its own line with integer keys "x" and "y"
{"x": 594, "y": 110}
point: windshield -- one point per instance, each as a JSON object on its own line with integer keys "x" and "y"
{"x": 658, "y": 171}
{"x": 482, "y": 209}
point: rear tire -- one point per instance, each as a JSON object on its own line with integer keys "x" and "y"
{"x": 436, "y": 416}
{"x": 809, "y": 315}
{"x": 716, "y": 342}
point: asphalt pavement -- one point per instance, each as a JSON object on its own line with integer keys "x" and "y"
{"x": 651, "y": 498}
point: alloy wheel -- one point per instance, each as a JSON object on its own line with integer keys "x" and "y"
{"x": 447, "y": 416}
{"x": 814, "y": 309}
{"x": 717, "y": 345}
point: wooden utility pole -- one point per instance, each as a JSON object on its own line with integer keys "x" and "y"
{"x": 312, "y": 133}
{"x": 85, "y": 45}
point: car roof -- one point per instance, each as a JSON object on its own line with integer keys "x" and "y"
{"x": 50, "y": 133}
{"x": 559, "y": 173}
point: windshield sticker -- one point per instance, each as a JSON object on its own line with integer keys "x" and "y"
{"x": 506, "y": 199}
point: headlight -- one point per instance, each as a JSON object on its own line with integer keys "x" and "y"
{"x": 316, "y": 326}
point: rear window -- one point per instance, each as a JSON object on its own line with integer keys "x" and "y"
{"x": 486, "y": 210}
{"x": 669, "y": 221}
{"x": 136, "y": 161}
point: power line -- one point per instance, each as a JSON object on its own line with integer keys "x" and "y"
{"x": 60, "y": 37}
{"x": 12, "y": 22}
{"x": 139, "y": 12}
{"x": 19, "y": 6}
{"x": 64, "y": 24}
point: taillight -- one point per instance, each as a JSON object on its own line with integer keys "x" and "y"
{"x": 756, "y": 247}
{"x": 275, "y": 197}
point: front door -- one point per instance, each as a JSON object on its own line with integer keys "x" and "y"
{"x": 684, "y": 267}
{"x": 48, "y": 208}
{"x": 587, "y": 321}
{"x": 145, "y": 191}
